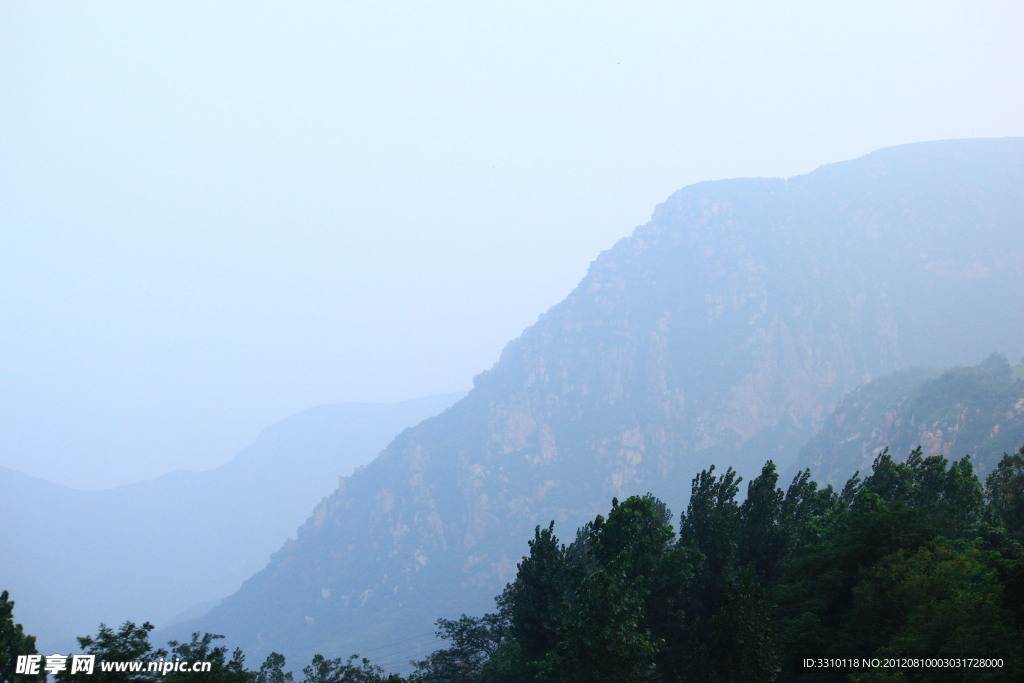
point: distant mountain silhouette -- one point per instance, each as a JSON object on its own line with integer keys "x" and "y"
{"x": 148, "y": 551}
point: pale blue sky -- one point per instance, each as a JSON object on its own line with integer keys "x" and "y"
{"x": 214, "y": 215}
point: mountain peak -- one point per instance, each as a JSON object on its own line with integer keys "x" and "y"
{"x": 722, "y": 332}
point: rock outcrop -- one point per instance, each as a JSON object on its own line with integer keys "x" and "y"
{"x": 723, "y": 331}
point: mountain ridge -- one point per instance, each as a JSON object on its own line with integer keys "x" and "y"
{"x": 723, "y": 331}
{"x": 976, "y": 410}
{"x": 151, "y": 549}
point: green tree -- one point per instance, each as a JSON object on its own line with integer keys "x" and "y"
{"x": 942, "y": 600}
{"x": 889, "y": 480}
{"x": 710, "y": 529}
{"x": 636, "y": 534}
{"x": 1004, "y": 490}
{"x": 605, "y": 638}
{"x": 473, "y": 642}
{"x": 13, "y": 643}
{"x": 130, "y": 643}
{"x": 915, "y": 560}
{"x": 711, "y": 523}
{"x": 537, "y": 602}
{"x": 607, "y": 634}
{"x": 585, "y": 612}
{"x": 272, "y": 670}
{"x": 201, "y": 649}
{"x": 808, "y": 512}
{"x": 741, "y": 640}
{"x": 762, "y": 538}
{"x": 354, "y": 670}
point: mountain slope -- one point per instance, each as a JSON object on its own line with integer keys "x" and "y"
{"x": 723, "y": 331}
{"x": 976, "y": 411}
{"x": 149, "y": 550}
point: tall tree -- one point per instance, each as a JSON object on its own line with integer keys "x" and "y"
{"x": 711, "y": 523}
{"x": 201, "y": 649}
{"x": 352, "y": 670}
{"x": 272, "y": 670}
{"x": 130, "y": 643}
{"x": 473, "y": 642}
{"x": 14, "y": 642}
{"x": 762, "y": 539}
{"x": 537, "y": 601}
{"x": 1004, "y": 490}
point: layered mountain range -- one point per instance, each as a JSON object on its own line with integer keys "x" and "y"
{"x": 151, "y": 550}
{"x": 724, "y": 331}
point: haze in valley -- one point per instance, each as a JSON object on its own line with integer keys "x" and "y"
{"x": 214, "y": 216}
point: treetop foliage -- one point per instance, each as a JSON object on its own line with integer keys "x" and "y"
{"x": 916, "y": 560}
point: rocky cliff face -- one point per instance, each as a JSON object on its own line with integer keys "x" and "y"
{"x": 723, "y": 331}
{"x": 976, "y": 411}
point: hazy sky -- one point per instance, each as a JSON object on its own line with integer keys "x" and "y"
{"x": 213, "y": 215}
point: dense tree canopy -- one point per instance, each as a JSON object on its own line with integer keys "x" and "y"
{"x": 916, "y": 561}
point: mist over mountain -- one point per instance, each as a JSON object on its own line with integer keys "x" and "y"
{"x": 149, "y": 551}
{"x": 724, "y": 331}
{"x": 976, "y": 410}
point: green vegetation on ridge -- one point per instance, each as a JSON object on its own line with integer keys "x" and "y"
{"x": 977, "y": 410}
{"x": 917, "y": 560}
